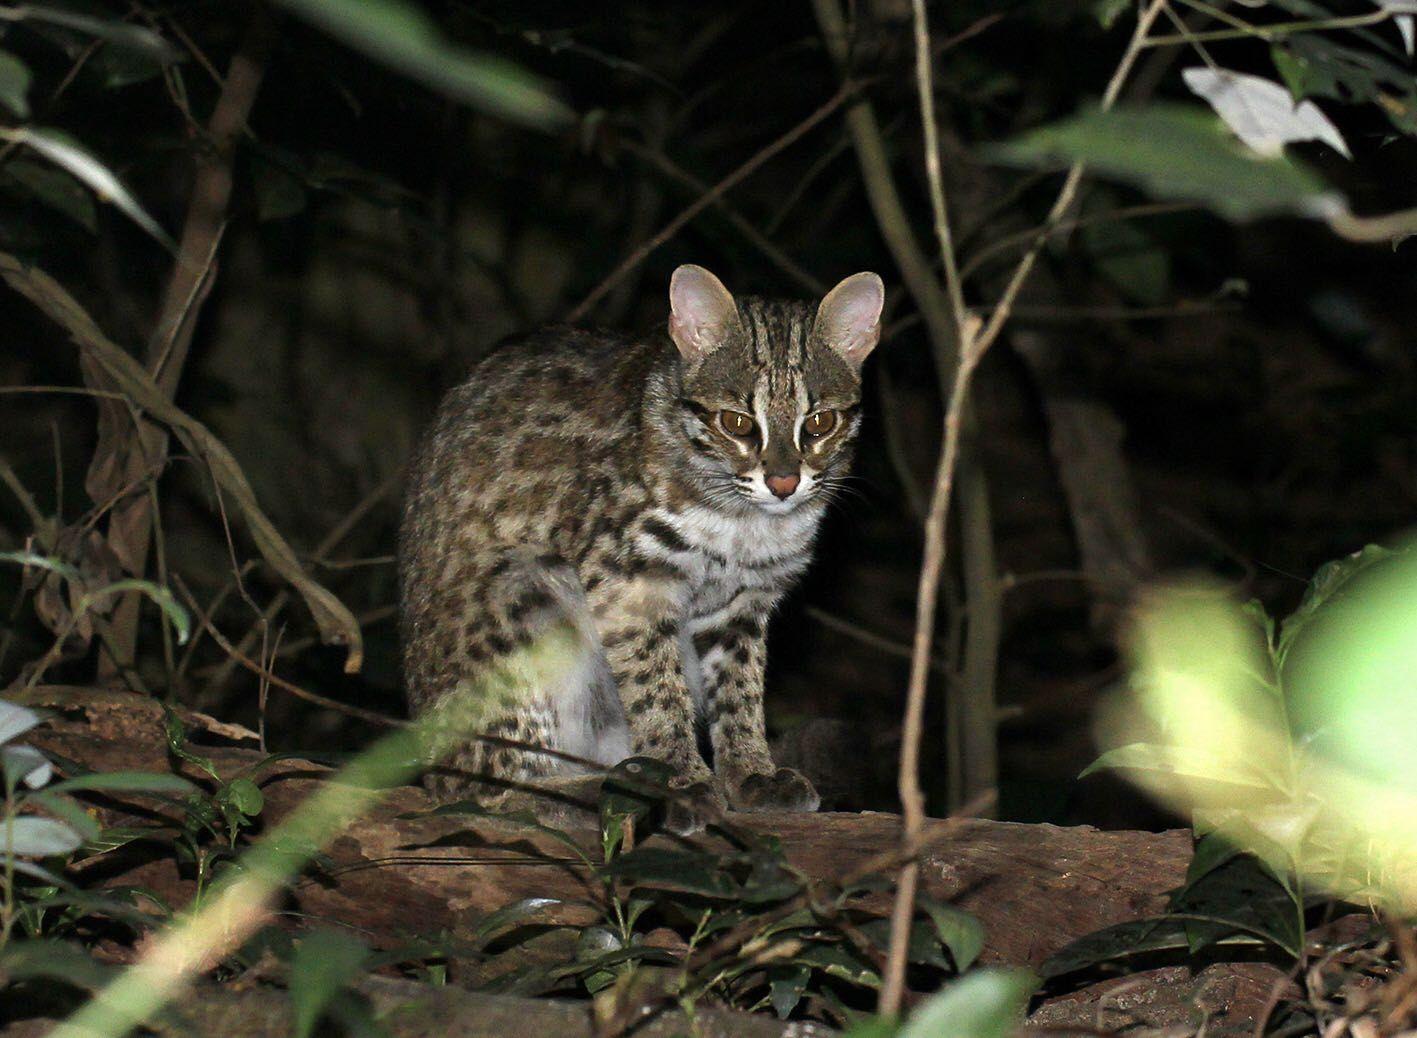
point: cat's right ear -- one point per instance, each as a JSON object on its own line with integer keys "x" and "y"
{"x": 702, "y": 313}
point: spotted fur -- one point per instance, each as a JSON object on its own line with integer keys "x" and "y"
{"x": 583, "y": 483}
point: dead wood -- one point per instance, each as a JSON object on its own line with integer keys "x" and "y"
{"x": 1034, "y": 887}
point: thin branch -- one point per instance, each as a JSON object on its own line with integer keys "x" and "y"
{"x": 974, "y": 342}
{"x": 674, "y": 226}
{"x": 924, "y": 83}
{"x": 750, "y": 233}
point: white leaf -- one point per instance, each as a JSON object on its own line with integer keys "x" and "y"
{"x": 1402, "y": 11}
{"x": 15, "y": 720}
{"x": 37, "y": 837}
{"x": 74, "y": 159}
{"x": 1261, "y": 112}
{"x": 25, "y": 763}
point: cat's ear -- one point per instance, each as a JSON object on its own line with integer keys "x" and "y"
{"x": 702, "y": 312}
{"x": 849, "y": 318}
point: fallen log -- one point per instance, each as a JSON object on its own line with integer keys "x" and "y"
{"x": 1033, "y": 887}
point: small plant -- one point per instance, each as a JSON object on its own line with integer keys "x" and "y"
{"x": 739, "y": 928}
{"x": 1289, "y": 746}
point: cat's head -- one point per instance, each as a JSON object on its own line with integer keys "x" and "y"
{"x": 771, "y": 390}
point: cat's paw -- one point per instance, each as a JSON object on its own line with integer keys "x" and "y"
{"x": 780, "y": 790}
{"x": 693, "y": 807}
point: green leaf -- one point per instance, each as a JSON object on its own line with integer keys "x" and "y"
{"x": 68, "y": 811}
{"x": 403, "y": 37}
{"x": 1239, "y": 898}
{"x": 244, "y": 795}
{"x": 786, "y": 985}
{"x": 53, "y": 187}
{"x": 1316, "y": 65}
{"x": 1325, "y": 585}
{"x": 1116, "y": 942}
{"x": 1192, "y": 762}
{"x": 1108, "y": 11}
{"x": 325, "y": 962}
{"x": 176, "y": 734}
{"x": 42, "y": 957}
{"x": 489, "y": 925}
{"x": 692, "y": 871}
{"x": 123, "y": 34}
{"x": 959, "y": 931}
{"x": 988, "y": 1003}
{"x": 69, "y": 155}
{"x": 124, "y": 782}
{"x": 1174, "y": 151}
{"x": 836, "y": 961}
{"x": 29, "y": 558}
{"x": 160, "y": 597}
{"x": 14, "y": 85}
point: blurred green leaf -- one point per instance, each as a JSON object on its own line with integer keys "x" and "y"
{"x": 403, "y": 37}
{"x": 988, "y": 1003}
{"x": 14, "y": 85}
{"x": 1108, "y": 11}
{"x": 42, "y": 957}
{"x": 68, "y": 811}
{"x": 124, "y": 782}
{"x": 1349, "y": 665}
{"x": 1191, "y": 762}
{"x": 325, "y": 962}
{"x": 54, "y": 187}
{"x": 29, "y": 558}
{"x": 99, "y": 26}
{"x": 1174, "y": 151}
{"x": 68, "y": 154}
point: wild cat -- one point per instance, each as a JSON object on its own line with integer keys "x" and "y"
{"x": 652, "y": 499}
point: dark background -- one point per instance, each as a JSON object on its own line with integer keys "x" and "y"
{"x": 382, "y": 238}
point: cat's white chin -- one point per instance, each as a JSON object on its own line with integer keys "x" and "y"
{"x": 776, "y": 507}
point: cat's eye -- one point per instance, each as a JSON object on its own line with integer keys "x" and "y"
{"x": 736, "y": 423}
{"x": 820, "y": 424}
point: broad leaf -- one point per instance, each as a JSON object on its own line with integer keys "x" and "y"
{"x": 125, "y": 782}
{"x": 325, "y": 962}
{"x": 1188, "y": 762}
{"x": 38, "y": 837}
{"x": 989, "y": 1003}
{"x": 786, "y": 985}
{"x": 1174, "y": 152}
{"x": 42, "y": 957}
{"x": 403, "y": 37}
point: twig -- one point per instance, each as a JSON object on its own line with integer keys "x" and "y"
{"x": 331, "y": 540}
{"x": 975, "y": 340}
{"x": 673, "y": 227}
{"x": 187, "y": 289}
{"x": 750, "y": 234}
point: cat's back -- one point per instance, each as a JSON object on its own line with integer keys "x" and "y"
{"x": 533, "y": 419}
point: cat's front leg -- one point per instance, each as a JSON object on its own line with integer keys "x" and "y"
{"x": 733, "y": 658}
{"x": 639, "y": 624}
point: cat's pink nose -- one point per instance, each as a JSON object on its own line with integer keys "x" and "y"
{"x": 783, "y": 486}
